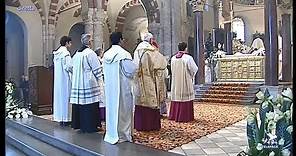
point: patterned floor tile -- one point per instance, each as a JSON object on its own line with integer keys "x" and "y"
{"x": 194, "y": 151}
{"x": 191, "y": 145}
{"x": 225, "y": 144}
{"x": 214, "y": 151}
{"x": 234, "y": 149}
{"x": 217, "y": 140}
{"x": 208, "y": 145}
{"x": 203, "y": 140}
{"x": 234, "y": 138}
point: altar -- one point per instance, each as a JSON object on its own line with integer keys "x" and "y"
{"x": 240, "y": 68}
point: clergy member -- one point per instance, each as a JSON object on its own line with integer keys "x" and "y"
{"x": 118, "y": 73}
{"x": 182, "y": 92}
{"x": 85, "y": 93}
{"x": 102, "y": 109}
{"x": 62, "y": 82}
{"x": 149, "y": 87}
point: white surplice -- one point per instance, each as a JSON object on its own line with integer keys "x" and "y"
{"x": 183, "y": 72}
{"x": 62, "y": 85}
{"x": 118, "y": 72}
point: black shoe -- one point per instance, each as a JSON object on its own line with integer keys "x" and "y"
{"x": 67, "y": 123}
{"x": 62, "y": 124}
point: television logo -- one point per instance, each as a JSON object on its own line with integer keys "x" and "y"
{"x": 26, "y": 8}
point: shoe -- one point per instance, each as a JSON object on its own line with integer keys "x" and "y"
{"x": 67, "y": 123}
{"x": 62, "y": 124}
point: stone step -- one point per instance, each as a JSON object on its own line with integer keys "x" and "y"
{"x": 12, "y": 151}
{"x": 226, "y": 101}
{"x": 31, "y": 145}
{"x": 73, "y": 142}
{"x": 224, "y": 96}
{"x": 247, "y": 93}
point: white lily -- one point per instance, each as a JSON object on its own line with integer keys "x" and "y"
{"x": 286, "y": 152}
{"x": 270, "y": 115}
{"x": 281, "y": 142}
{"x": 10, "y": 116}
{"x": 287, "y": 114}
{"x": 17, "y": 116}
{"x": 259, "y": 146}
{"x": 290, "y": 129}
{"x": 288, "y": 95}
{"x": 29, "y": 113}
{"x": 260, "y": 95}
{"x": 271, "y": 153}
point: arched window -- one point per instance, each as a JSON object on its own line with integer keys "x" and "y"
{"x": 238, "y": 27}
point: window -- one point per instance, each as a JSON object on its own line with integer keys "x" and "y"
{"x": 238, "y": 27}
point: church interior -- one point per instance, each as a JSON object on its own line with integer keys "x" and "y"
{"x": 241, "y": 47}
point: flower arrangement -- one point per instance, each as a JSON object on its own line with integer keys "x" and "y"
{"x": 12, "y": 105}
{"x": 274, "y": 135}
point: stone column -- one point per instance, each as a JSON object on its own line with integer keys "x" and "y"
{"x": 197, "y": 7}
{"x": 51, "y": 44}
{"x": 286, "y": 48}
{"x": 271, "y": 43}
{"x": 228, "y": 39}
{"x": 87, "y": 20}
{"x": 98, "y": 21}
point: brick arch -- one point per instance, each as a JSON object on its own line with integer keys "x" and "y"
{"x": 52, "y": 11}
{"x": 66, "y": 5}
{"x": 152, "y": 10}
{"x": 123, "y": 13}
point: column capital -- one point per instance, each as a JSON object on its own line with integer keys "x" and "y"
{"x": 197, "y": 5}
{"x": 285, "y": 5}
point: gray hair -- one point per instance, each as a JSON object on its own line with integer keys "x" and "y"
{"x": 85, "y": 38}
{"x": 148, "y": 36}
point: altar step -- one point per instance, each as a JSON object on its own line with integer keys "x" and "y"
{"x": 35, "y": 136}
{"x": 227, "y": 93}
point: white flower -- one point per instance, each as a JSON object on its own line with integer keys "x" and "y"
{"x": 250, "y": 118}
{"x": 271, "y": 125}
{"x": 264, "y": 104}
{"x": 288, "y": 114}
{"x": 287, "y": 93}
{"x": 10, "y": 116}
{"x": 277, "y": 117}
{"x": 260, "y": 95}
{"x": 281, "y": 142}
{"x": 29, "y": 113}
{"x": 25, "y": 115}
{"x": 9, "y": 91}
{"x": 290, "y": 129}
{"x": 17, "y": 116}
{"x": 23, "y": 109}
{"x": 286, "y": 152}
{"x": 18, "y": 110}
{"x": 259, "y": 146}
{"x": 271, "y": 153}
{"x": 270, "y": 115}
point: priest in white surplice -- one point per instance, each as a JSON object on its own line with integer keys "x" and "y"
{"x": 182, "y": 90}
{"x": 85, "y": 92}
{"x": 62, "y": 82}
{"x": 118, "y": 72}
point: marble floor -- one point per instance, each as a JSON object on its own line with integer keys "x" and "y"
{"x": 228, "y": 141}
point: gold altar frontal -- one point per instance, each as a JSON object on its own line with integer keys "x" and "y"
{"x": 240, "y": 68}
